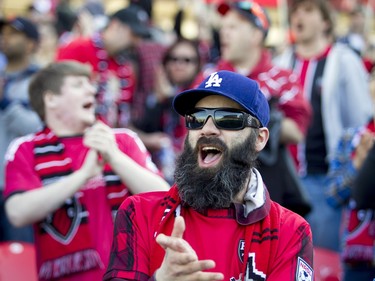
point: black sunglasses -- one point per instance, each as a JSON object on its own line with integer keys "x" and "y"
{"x": 224, "y": 118}
{"x": 182, "y": 59}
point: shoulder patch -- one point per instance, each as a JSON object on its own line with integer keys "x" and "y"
{"x": 304, "y": 271}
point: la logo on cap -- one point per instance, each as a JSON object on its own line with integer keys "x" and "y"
{"x": 214, "y": 80}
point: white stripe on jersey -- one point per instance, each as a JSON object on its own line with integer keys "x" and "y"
{"x": 49, "y": 148}
{"x": 15, "y": 144}
{"x": 49, "y": 164}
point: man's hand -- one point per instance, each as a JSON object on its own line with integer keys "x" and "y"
{"x": 92, "y": 166}
{"x": 180, "y": 260}
{"x": 365, "y": 144}
{"x": 101, "y": 138}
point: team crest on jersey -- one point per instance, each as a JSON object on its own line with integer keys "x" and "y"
{"x": 304, "y": 271}
{"x": 241, "y": 249}
{"x": 63, "y": 224}
{"x": 252, "y": 272}
{"x": 214, "y": 80}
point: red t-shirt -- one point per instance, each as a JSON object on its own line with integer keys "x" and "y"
{"x": 21, "y": 176}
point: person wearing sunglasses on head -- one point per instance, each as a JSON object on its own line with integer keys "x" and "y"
{"x": 217, "y": 222}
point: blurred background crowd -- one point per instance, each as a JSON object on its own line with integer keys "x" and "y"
{"x": 141, "y": 56}
{"x": 195, "y": 19}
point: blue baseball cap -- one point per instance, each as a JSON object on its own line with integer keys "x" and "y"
{"x": 232, "y": 85}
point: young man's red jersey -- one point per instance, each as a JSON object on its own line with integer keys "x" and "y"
{"x": 22, "y": 176}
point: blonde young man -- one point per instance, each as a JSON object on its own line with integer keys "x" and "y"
{"x": 69, "y": 178}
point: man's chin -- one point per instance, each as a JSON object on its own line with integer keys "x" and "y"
{"x": 90, "y": 121}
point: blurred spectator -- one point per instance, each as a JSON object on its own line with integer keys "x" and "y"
{"x": 244, "y": 28}
{"x": 147, "y": 55}
{"x": 40, "y": 11}
{"x": 161, "y": 128}
{"x": 114, "y": 68}
{"x": 84, "y": 22}
{"x": 19, "y": 41}
{"x": 335, "y": 82}
{"x": 48, "y": 42}
{"x": 209, "y": 41}
{"x": 208, "y": 36}
{"x": 66, "y": 18}
{"x": 358, "y": 221}
{"x": 69, "y": 178}
{"x": 355, "y": 37}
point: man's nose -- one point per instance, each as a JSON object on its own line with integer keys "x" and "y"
{"x": 210, "y": 128}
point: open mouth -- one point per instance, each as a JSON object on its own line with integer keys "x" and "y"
{"x": 223, "y": 46}
{"x": 298, "y": 27}
{"x": 209, "y": 156}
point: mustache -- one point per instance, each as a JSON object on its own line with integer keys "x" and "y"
{"x": 211, "y": 141}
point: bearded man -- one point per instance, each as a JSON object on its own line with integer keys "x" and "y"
{"x": 217, "y": 222}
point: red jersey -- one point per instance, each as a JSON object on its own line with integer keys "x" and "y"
{"x": 115, "y": 76}
{"x": 276, "y": 241}
{"x": 21, "y": 176}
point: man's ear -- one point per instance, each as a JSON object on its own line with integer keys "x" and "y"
{"x": 262, "y": 138}
{"x": 50, "y": 99}
{"x": 32, "y": 46}
{"x": 259, "y": 35}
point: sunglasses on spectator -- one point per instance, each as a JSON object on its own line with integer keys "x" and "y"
{"x": 224, "y": 118}
{"x": 181, "y": 59}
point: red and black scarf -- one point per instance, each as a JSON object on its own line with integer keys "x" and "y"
{"x": 66, "y": 230}
{"x": 171, "y": 207}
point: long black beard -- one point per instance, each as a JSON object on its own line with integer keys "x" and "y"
{"x": 206, "y": 188}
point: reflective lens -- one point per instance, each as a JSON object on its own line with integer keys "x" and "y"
{"x": 224, "y": 118}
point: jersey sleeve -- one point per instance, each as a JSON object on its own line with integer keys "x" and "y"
{"x": 294, "y": 258}
{"x": 130, "y": 253}
{"x": 132, "y": 145}
{"x": 19, "y": 167}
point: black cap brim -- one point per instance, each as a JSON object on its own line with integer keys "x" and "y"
{"x": 141, "y": 31}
